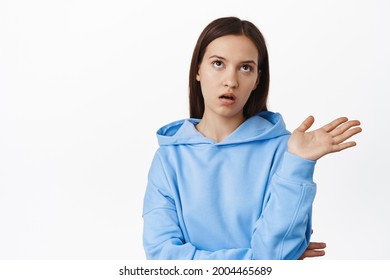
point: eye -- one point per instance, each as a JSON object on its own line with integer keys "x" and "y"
{"x": 246, "y": 68}
{"x": 217, "y": 64}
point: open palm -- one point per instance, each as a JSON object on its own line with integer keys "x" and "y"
{"x": 330, "y": 138}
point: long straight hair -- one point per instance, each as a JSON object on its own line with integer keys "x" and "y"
{"x": 257, "y": 101}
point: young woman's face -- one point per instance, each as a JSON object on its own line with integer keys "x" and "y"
{"x": 228, "y": 74}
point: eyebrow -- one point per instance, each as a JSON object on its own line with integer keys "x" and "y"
{"x": 222, "y": 58}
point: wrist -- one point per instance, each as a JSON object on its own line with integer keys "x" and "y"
{"x": 297, "y": 168}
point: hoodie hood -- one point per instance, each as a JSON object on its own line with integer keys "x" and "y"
{"x": 265, "y": 125}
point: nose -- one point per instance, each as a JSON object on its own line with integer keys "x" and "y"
{"x": 230, "y": 79}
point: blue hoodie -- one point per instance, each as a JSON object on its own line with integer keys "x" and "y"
{"x": 245, "y": 197}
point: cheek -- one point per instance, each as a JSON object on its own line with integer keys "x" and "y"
{"x": 208, "y": 79}
{"x": 208, "y": 75}
{"x": 245, "y": 99}
{"x": 252, "y": 84}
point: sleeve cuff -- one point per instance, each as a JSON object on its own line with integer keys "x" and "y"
{"x": 296, "y": 168}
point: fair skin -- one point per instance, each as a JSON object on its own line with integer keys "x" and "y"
{"x": 229, "y": 67}
{"x": 228, "y": 74}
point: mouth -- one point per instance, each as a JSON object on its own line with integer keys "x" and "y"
{"x": 228, "y": 96}
{"x": 227, "y": 99}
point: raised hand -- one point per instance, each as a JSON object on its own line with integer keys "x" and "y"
{"x": 328, "y": 139}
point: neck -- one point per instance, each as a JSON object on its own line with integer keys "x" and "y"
{"x": 219, "y": 127}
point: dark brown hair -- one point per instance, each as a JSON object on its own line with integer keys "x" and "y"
{"x": 257, "y": 101}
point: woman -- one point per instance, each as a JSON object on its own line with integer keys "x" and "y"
{"x": 231, "y": 182}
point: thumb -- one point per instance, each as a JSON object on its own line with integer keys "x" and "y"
{"x": 307, "y": 123}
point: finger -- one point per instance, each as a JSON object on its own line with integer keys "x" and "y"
{"x": 346, "y": 135}
{"x": 344, "y": 127}
{"x": 312, "y": 254}
{"x": 332, "y": 125}
{"x": 307, "y": 123}
{"x": 316, "y": 245}
{"x": 343, "y": 146}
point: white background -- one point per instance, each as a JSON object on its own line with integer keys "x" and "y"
{"x": 84, "y": 85}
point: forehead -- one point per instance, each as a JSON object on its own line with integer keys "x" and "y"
{"x": 233, "y": 47}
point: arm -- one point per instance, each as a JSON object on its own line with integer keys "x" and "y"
{"x": 163, "y": 236}
{"x": 284, "y": 227}
{"x": 164, "y": 239}
{"x": 283, "y": 230}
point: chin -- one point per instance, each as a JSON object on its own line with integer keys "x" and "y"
{"x": 232, "y": 114}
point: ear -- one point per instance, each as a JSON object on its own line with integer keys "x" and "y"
{"x": 198, "y": 76}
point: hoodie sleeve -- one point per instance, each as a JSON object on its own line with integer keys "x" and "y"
{"x": 284, "y": 227}
{"x": 163, "y": 237}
